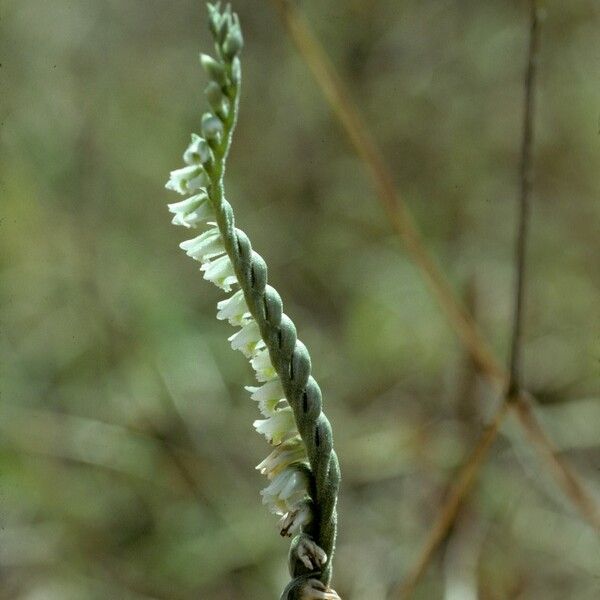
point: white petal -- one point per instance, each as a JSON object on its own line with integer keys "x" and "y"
{"x": 268, "y": 396}
{"x": 220, "y": 272}
{"x": 187, "y": 180}
{"x": 293, "y": 491}
{"x": 197, "y": 152}
{"x": 261, "y": 363}
{"x": 279, "y": 426}
{"x": 234, "y": 309}
{"x": 192, "y": 211}
{"x": 290, "y": 452}
{"x": 293, "y": 521}
{"x": 246, "y": 338}
{"x": 188, "y": 205}
{"x": 207, "y": 245}
{"x": 286, "y": 490}
{"x": 201, "y": 214}
{"x": 197, "y": 183}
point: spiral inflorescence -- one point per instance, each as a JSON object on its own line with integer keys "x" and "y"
{"x": 303, "y": 468}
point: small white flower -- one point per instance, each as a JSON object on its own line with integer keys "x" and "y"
{"x": 290, "y": 452}
{"x": 279, "y": 426}
{"x": 234, "y": 309}
{"x": 187, "y": 180}
{"x": 188, "y": 205}
{"x": 220, "y": 272}
{"x": 198, "y": 152}
{"x": 268, "y": 396}
{"x": 191, "y": 211}
{"x": 261, "y": 363}
{"x": 285, "y": 491}
{"x": 292, "y": 522}
{"x": 207, "y": 245}
{"x": 246, "y": 338}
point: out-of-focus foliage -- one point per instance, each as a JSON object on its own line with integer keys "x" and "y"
{"x": 126, "y": 445}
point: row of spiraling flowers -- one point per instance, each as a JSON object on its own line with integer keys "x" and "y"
{"x": 286, "y": 466}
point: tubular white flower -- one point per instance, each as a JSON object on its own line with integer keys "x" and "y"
{"x": 290, "y": 452}
{"x": 187, "y": 180}
{"x": 184, "y": 207}
{"x": 234, "y": 309}
{"x": 293, "y": 521}
{"x": 261, "y": 363}
{"x": 220, "y": 272}
{"x": 268, "y": 396}
{"x": 279, "y": 426}
{"x": 198, "y": 152}
{"x": 192, "y": 211}
{"x": 286, "y": 491}
{"x": 246, "y": 338}
{"x": 207, "y": 245}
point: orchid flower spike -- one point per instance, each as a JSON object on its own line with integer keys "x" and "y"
{"x": 302, "y": 467}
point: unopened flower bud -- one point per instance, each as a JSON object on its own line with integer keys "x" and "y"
{"x": 214, "y": 18}
{"x": 233, "y": 43}
{"x": 236, "y": 71}
{"x": 224, "y": 25}
{"x": 198, "y": 152}
{"x": 217, "y": 100}
{"x": 214, "y": 69}
{"x": 214, "y": 94}
{"x": 212, "y": 128}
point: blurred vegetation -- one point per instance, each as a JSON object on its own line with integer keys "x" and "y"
{"x": 126, "y": 447}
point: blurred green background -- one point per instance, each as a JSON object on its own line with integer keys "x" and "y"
{"x": 127, "y": 450}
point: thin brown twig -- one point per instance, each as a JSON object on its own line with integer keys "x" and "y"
{"x": 564, "y": 476}
{"x": 465, "y": 479}
{"x": 525, "y": 177}
{"x": 402, "y": 222}
{"x": 515, "y": 392}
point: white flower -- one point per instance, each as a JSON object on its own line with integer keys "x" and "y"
{"x": 246, "y": 338}
{"x": 220, "y": 272}
{"x": 207, "y": 245}
{"x": 187, "y": 180}
{"x": 268, "y": 396}
{"x": 290, "y": 452}
{"x": 191, "y": 211}
{"x": 279, "y": 426}
{"x": 234, "y": 309}
{"x": 198, "y": 152}
{"x": 261, "y": 363}
{"x": 293, "y": 521}
{"x": 286, "y": 490}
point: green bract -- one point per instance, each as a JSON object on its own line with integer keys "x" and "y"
{"x": 302, "y": 469}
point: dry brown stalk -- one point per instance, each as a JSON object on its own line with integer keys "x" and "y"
{"x": 570, "y": 484}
